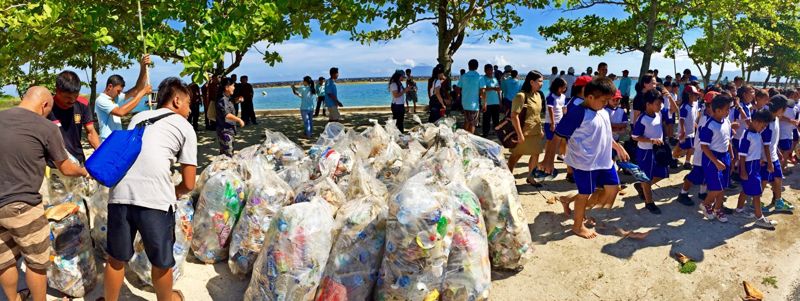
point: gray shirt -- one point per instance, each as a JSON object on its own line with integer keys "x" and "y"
{"x": 148, "y": 183}
{"x": 28, "y": 140}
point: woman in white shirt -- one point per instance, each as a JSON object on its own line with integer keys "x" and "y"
{"x": 398, "y": 97}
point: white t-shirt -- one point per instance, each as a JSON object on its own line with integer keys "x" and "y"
{"x": 589, "y": 139}
{"x": 557, "y": 103}
{"x": 697, "y": 159}
{"x": 570, "y": 79}
{"x": 432, "y": 90}
{"x": 741, "y": 119}
{"x": 751, "y": 147}
{"x": 149, "y": 181}
{"x": 648, "y": 126}
{"x": 770, "y": 136}
{"x": 397, "y": 100}
{"x": 688, "y": 113}
{"x": 787, "y": 127}
{"x": 717, "y": 135}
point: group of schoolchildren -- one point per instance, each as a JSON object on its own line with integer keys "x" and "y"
{"x": 726, "y": 133}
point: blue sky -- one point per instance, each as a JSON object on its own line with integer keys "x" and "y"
{"x": 417, "y": 46}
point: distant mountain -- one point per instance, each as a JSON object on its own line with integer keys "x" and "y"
{"x": 422, "y": 71}
{"x": 756, "y": 76}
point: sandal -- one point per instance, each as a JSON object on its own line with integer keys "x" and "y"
{"x": 24, "y": 294}
{"x": 534, "y": 184}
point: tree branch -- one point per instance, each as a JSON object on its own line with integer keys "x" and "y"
{"x": 593, "y": 3}
{"x": 238, "y": 55}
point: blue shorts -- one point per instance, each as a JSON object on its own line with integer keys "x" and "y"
{"x": 156, "y": 227}
{"x": 717, "y": 180}
{"x": 588, "y": 181}
{"x": 687, "y": 143}
{"x": 752, "y": 186}
{"x": 795, "y": 135}
{"x": 785, "y": 144}
{"x": 766, "y": 176}
{"x": 735, "y": 146}
{"x": 548, "y": 134}
{"x": 647, "y": 163}
{"x": 696, "y": 176}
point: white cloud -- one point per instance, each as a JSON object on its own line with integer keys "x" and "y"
{"x": 405, "y": 63}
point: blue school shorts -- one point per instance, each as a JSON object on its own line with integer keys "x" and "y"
{"x": 766, "y": 176}
{"x": 647, "y": 163}
{"x": 588, "y": 181}
{"x": 735, "y": 146}
{"x": 717, "y": 180}
{"x": 696, "y": 176}
{"x": 752, "y": 187}
{"x": 785, "y": 144}
{"x": 795, "y": 135}
{"x": 548, "y": 134}
{"x": 687, "y": 143}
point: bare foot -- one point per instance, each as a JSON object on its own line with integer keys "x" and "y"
{"x": 565, "y": 200}
{"x": 584, "y": 232}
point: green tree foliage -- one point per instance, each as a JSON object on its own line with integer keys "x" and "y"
{"x": 649, "y": 27}
{"x": 453, "y": 20}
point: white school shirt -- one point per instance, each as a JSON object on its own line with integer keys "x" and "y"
{"x": 588, "y": 133}
{"x": 648, "y": 126}
{"x": 786, "y": 127}
{"x": 736, "y": 116}
{"x": 716, "y": 134}
{"x": 751, "y": 147}
{"x": 770, "y": 136}
{"x": 688, "y": 113}
{"x": 557, "y": 103}
{"x": 617, "y": 115}
{"x": 697, "y": 159}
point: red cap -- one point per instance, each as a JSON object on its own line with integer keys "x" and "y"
{"x": 618, "y": 95}
{"x": 582, "y": 81}
{"x": 693, "y": 90}
{"x": 709, "y": 96}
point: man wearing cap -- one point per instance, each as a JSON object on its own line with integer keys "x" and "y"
{"x": 570, "y": 78}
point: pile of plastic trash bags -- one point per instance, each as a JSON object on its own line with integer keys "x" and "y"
{"x": 375, "y": 214}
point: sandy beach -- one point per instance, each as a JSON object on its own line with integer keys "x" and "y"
{"x": 566, "y": 267}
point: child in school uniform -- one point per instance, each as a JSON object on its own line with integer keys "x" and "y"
{"x": 696, "y": 176}
{"x": 619, "y": 120}
{"x": 740, "y": 120}
{"x": 648, "y": 131}
{"x": 688, "y": 115}
{"x": 555, "y": 101}
{"x": 788, "y": 125}
{"x": 772, "y": 171}
{"x": 587, "y": 129}
{"x": 575, "y": 102}
{"x": 715, "y": 141}
{"x": 667, "y": 115}
{"x": 751, "y": 150}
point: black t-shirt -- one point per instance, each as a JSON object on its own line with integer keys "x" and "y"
{"x": 71, "y": 122}
{"x": 638, "y": 102}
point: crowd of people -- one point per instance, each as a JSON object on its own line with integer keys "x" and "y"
{"x": 723, "y": 133}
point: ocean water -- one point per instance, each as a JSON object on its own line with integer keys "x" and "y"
{"x": 351, "y": 95}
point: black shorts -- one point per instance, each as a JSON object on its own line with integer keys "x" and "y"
{"x": 156, "y": 227}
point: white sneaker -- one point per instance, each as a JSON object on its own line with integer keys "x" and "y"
{"x": 766, "y": 223}
{"x": 721, "y": 216}
{"x": 744, "y": 213}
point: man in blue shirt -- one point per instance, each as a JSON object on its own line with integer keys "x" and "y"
{"x": 625, "y": 90}
{"x": 510, "y": 87}
{"x": 470, "y": 95}
{"x": 331, "y": 97}
{"x": 110, "y": 105}
{"x": 490, "y": 94}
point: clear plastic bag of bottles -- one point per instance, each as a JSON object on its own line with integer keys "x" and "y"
{"x": 217, "y": 211}
{"x": 140, "y": 265}
{"x": 510, "y": 245}
{"x": 73, "y": 272}
{"x": 291, "y": 262}
{"x": 266, "y": 194}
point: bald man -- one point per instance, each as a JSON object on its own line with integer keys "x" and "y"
{"x": 24, "y": 231}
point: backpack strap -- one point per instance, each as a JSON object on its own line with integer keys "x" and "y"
{"x": 153, "y": 120}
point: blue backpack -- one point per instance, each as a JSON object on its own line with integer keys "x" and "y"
{"x": 115, "y": 156}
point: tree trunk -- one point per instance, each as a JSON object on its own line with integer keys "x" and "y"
{"x": 777, "y": 81}
{"x": 721, "y": 69}
{"x": 651, "y": 32}
{"x": 766, "y": 81}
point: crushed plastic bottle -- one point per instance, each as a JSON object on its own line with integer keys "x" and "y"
{"x": 418, "y": 236}
{"x": 291, "y": 262}
{"x": 324, "y": 188}
{"x": 140, "y": 265}
{"x": 468, "y": 272}
{"x": 217, "y": 211}
{"x": 218, "y": 164}
{"x": 98, "y": 211}
{"x": 266, "y": 194}
{"x": 73, "y": 271}
{"x": 510, "y": 245}
{"x": 352, "y": 269}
